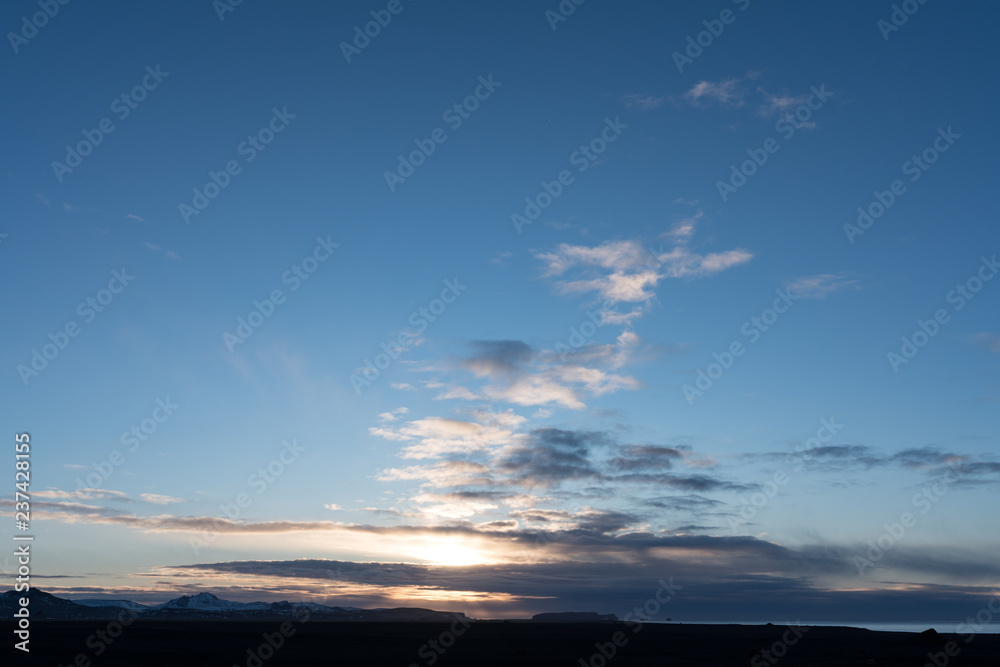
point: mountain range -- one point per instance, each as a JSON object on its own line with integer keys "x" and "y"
{"x": 207, "y": 606}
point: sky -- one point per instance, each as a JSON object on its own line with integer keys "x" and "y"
{"x": 507, "y": 308}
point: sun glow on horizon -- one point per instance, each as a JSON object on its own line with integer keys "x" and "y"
{"x": 451, "y": 552}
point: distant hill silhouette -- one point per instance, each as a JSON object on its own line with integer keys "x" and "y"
{"x": 573, "y": 617}
{"x": 207, "y": 605}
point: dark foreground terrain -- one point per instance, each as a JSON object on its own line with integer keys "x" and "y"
{"x": 486, "y": 643}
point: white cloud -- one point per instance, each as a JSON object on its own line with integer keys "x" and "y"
{"x": 83, "y": 494}
{"x": 433, "y": 437}
{"x": 393, "y": 415}
{"x": 158, "y": 499}
{"x": 684, "y": 230}
{"x": 445, "y": 473}
{"x": 774, "y": 104}
{"x": 639, "y": 102}
{"x": 636, "y": 271}
{"x": 725, "y": 92}
{"x": 819, "y": 285}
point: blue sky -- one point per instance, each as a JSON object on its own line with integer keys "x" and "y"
{"x": 497, "y": 439}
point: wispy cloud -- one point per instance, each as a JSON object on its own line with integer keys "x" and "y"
{"x": 775, "y": 104}
{"x": 393, "y": 414}
{"x": 83, "y": 494}
{"x": 170, "y": 254}
{"x": 727, "y": 92}
{"x": 403, "y": 386}
{"x": 73, "y": 208}
{"x": 820, "y": 285}
{"x": 990, "y": 341}
{"x": 158, "y": 499}
{"x": 642, "y": 102}
{"x": 500, "y": 259}
{"x": 634, "y": 271}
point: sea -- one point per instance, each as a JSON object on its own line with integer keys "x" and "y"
{"x": 956, "y": 627}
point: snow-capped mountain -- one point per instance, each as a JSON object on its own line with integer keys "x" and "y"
{"x": 207, "y": 605}
{"x": 209, "y": 602}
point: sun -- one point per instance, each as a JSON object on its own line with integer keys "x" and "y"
{"x": 450, "y": 553}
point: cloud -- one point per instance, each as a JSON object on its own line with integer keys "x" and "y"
{"x": 500, "y": 259}
{"x": 497, "y": 357}
{"x": 683, "y": 230}
{"x": 155, "y": 248}
{"x": 640, "y": 102}
{"x": 443, "y": 474}
{"x": 726, "y": 92}
{"x": 990, "y": 341}
{"x": 402, "y": 386}
{"x": 130, "y": 216}
{"x": 723, "y": 578}
{"x": 434, "y": 437}
{"x": 821, "y": 284}
{"x": 332, "y": 506}
{"x": 774, "y": 104}
{"x": 515, "y": 373}
{"x": 551, "y": 456}
{"x": 158, "y": 499}
{"x": 393, "y": 414}
{"x": 958, "y": 470}
{"x": 646, "y": 457}
{"x": 635, "y": 271}
{"x": 83, "y": 494}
